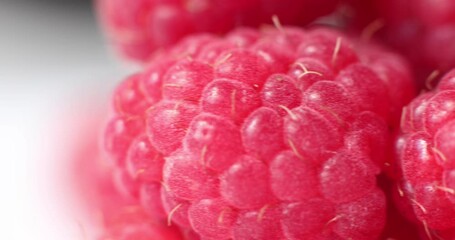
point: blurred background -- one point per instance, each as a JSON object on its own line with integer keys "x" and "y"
{"x": 52, "y": 59}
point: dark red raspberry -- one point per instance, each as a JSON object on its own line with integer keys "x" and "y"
{"x": 261, "y": 135}
{"x": 426, "y": 147}
{"x": 139, "y": 27}
{"x": 416, "y": 28}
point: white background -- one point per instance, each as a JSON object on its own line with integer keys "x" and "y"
{"x": 50, "y": 57}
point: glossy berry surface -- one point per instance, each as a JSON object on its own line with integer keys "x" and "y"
{"x": 261, "y": 134}
{"x": 426, "y": 147}
{"x": 139, "y": 27}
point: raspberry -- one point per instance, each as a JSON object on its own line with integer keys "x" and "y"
{"x": 426, "y": 149}
{"x": 137, "y": 28}
{"x": 407, "y": 25}
{"x": 262, "y": 139}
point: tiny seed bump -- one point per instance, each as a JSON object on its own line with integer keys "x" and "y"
{"x": 336, "y": 50}
{"x": 308, "y": 72}
{"x": 177, "y": 105}
{"x": 233, "y": 102}
{"x": 305, "y": 70}
{"x": 430, "y": 79}
{"x": 289, "y": 112}
{"x": 165, "y": 186}
{"x": 400, "y": 192}
{"x": 371, "y": 29}
{"x": 427, "y": 230}
{"x": 334, "y": 219}
{"x": 150, "y": 109}
{"x": 294, "y": 149}
{"x": 403, "y": 117}
{"x": 339, "y": 120}
{"x": 221, "y": 217}
{"x": 439, "y": 153}
{"x": 411, "y": 118}
{"x": 139, "y": 173}
{"x": 171, "y": 213}
{"x": 224, "y": 59}
{"x": 277, "y": 23}
{"x": 301, "y": 65}
{"x": 203, "y": 153}
{"x": 446, "y": 189}
{"x": 424, "y": 210}
{"x": 262, "y": 212}
{"x": 143, "y": 92}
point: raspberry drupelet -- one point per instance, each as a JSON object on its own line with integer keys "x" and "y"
{"x": 139, "y": 27}
{"x": 271, "y": 134}
{"x": 426, "y": 150}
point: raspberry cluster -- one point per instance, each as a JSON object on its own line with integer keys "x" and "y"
{"x": 139, "y": 27}
{"x": 426, "y": 149}
{"x": 261, "y": 134}
{"x": 238, "y": 133}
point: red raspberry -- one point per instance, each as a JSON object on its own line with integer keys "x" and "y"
{"x": 426, "y": 148}
{"x": 261, "y": 134}
{"x": 138, "y": 27}
{"x": 408, "y": 25}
